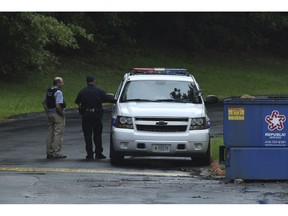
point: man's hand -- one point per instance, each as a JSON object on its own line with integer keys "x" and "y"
{"x": 59, "y": 110}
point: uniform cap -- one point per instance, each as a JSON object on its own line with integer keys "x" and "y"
{"x": 90, "y": 78}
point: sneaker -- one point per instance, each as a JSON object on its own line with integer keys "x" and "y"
{"x": 100, "y": 156}
{"x": 49, "y": 156}
{"x": 60, "y": 156}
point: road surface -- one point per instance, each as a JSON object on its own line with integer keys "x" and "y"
{"x": 27, "y": 177}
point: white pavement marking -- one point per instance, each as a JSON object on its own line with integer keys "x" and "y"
{"x": 75, "y": 170}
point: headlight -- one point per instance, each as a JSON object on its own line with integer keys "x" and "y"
{"x": 199, "y": 123}
{"x": 124, "y": 122}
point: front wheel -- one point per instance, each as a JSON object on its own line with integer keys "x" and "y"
{"x": 205, "y": 159}
{"x": 115, "y": 158}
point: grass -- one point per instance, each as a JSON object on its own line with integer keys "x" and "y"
{"x": 253, "y": 76}
{"x": 26, "y": 96}
{"x": 223, "y": 76}
{"x": 215, "y": 143}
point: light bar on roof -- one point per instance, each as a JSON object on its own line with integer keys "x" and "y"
{"x": 168, "y": 71}
{"x": 159, "y": 70}
{"x": 143, "y": 70}
{"x": 176, "y": 71}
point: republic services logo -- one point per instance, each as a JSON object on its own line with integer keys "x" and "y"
{"x": 275, "y": 121}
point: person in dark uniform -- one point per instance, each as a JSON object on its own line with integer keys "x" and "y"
{"x": 90, "y": 101}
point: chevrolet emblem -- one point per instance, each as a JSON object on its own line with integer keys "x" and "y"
{"x": 161, "y": 123}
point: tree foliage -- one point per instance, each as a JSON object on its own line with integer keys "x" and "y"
{"x": 25, "y": 38}
{"x": 203, "y": 31}
{"x": 30, "y": 41}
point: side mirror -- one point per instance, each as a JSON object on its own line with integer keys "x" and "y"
{"x": 199, "y": 93}
{"x": 110, "y": 98}
{"x": 211, "y": 99}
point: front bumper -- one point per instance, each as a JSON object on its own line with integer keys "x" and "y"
{"x": 129, "y": 142}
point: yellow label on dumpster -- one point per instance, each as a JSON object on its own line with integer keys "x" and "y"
{"x": 236, "y": 113}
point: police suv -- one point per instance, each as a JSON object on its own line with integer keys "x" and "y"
{"x": 160, "y": 112}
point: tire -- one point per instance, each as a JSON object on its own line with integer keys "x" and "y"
{"x": 205, "y": 159}
{"x": 115, "y": 158}
{"x": 207, "y": 156}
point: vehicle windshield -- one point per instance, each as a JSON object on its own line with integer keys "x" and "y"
{"x": 160, "y": 91}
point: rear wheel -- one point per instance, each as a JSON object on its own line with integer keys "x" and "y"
{"x": 115, "y": 158}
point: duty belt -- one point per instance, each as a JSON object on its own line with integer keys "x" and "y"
{"x": 90, "y": 110}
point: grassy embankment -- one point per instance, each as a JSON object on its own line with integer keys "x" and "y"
{"x": 221, "y": 76}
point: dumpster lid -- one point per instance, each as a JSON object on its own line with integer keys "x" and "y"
{"x": 259, "y": 99}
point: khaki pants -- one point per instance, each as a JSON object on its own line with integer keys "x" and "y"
{"x": 56, "y": 124}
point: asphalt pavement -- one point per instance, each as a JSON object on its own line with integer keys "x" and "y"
{"x": 27, "y": 177}
{"x": 23, "y": 139}
{"x": 23, "y": 154}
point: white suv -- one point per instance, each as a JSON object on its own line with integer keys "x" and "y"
{"x": 160, "y": 112}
